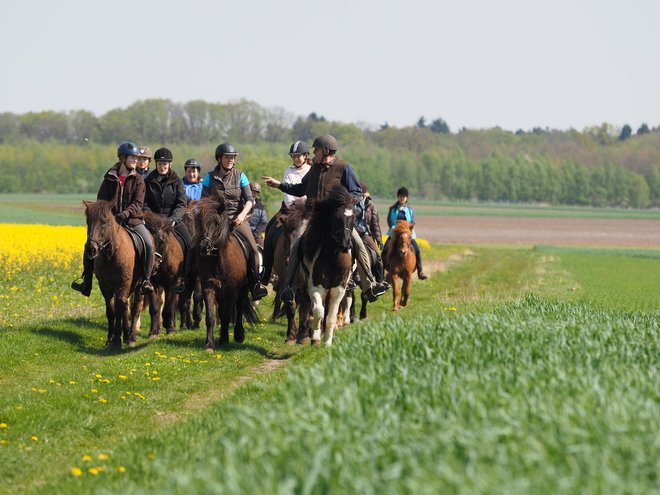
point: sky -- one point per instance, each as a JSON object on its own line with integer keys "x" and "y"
{"x": 516, "y": 64}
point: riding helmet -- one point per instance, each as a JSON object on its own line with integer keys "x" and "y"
{"x": 225, "y": 149}
{"x": 145, "y": 151}
{"x": 255, "y": 186}
{"x": 128, "y": 149}
{"x": 299, "y": 148}
{"x": 326, "y": 141}
{"x": 163, "y": 155}
{"x": 193, "y": 162}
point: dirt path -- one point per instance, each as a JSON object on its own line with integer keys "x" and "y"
{"x": 533, "y": 231}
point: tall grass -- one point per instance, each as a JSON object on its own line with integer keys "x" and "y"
{"x": 531, "y": 397}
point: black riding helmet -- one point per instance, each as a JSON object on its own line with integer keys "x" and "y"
{"x": 163, "y": 155}
{"x": 225, "y": 149}
{"x": 299, "y": 148}
{"x": 192, "y": 162}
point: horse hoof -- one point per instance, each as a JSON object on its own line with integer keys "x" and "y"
{"x": 115, "y": 346}
{"x": 239, "y": 337}
{"x": 290, "y": 341}
{"x": 304, "y": 341}
{"x": 316, "y": 341}
{"x": 132, "y": 344}
{"x": 171, "y": 332}
{"x": 210, "y": 350}
{"x": 153, "y": 336}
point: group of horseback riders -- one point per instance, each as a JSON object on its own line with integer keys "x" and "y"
{"x": 133, "y": 188}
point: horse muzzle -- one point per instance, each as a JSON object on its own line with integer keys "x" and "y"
{"x": 91, "y": 249}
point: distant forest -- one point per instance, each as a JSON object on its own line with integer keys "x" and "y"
{"x": 603, "y": 165}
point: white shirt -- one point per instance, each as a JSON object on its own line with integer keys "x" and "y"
{"x": 294, "y": 175}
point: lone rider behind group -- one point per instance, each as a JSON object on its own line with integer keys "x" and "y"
{"x": 124, "y": 186}
{"x": 326, "y": 172}
{"x": 259, "y": 218}
{"x": 193, "y": 182}
{"x": 368, "y": 226}
{"x": 299, "y": 153}
{"x": 238, "y": 203}
{"x": 166, "y": 195}
{"x": 143, "y": 161}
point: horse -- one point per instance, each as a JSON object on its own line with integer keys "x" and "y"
{"x": 325, "y": 254}
{"x": 222, "y": 267}
{"x": 193, "y": 289}
{"x": 291, "y": 221}
{"x": 115, "y": 267}
{"x": 167, "y": 276}
{"x": 401, "y": 262}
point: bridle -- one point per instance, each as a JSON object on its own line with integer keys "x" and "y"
{"x": 102, "y": 245}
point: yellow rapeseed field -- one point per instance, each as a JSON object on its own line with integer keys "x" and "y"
{"x": 29, "y": 248}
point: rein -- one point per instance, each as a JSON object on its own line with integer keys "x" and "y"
{"x": 103, "y": 245}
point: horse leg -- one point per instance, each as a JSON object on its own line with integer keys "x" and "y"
{"x": 198, "y": 304}
{"x": 291, "y": 329}
{"x": 169, "y": 310}
{"x": 239, "y": 330}
{"x": 316, "y": 296}
{"x": 110, "y": 315}
{"x": 405, "y": 289}
{"x": 335, "y": 298}
{"x": 155, "y": 302}
{"x": 136, "y": 311}
{"x": 224, "y": 310}
{"x": 395, "y": 292}
{"x": 121, "y": 308}
{"x": 209, "y": 300}
{"x": 363, "y": 309}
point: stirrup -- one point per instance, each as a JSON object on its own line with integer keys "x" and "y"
{"x": 81, "y": 287}
{"x": 288, "y": 295}
{"x": 146, "y": 288}
{"x": 180, "y": 287}
{"x": 350, "y": 285}
{"x": 259, "y": 291}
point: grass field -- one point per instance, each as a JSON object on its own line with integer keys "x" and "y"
{"x": 512, "y": 371}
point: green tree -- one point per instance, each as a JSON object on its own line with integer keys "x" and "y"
{"x": 643, "y": 129}
{"x": 626, "y": 132}
{"x": 439, "y": 126}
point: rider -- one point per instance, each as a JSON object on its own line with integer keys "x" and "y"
{"x": 123, "y": 185}
{"x": 299, "y": 153}
{"x": 166, "y": 195}
{"x": 401, "y": 210}
{"x": 326, "y": 172}
{"x": 193, "y": 181}
{"x": 144, "y": 160}
{"x": 368, "y": 226}
{"x": 238, "y": 203}
{"x": 259, "y": 217}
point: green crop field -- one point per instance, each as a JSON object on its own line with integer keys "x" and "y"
{"x": 511, "y": 371}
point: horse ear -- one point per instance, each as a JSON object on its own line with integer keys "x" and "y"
{"x": 86, "y": 203}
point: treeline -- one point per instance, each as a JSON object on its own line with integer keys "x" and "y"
{"x": 601, "y": 166}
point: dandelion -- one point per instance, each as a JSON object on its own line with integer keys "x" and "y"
{"x": 34, "y": 439}
{"x": 87, "y": 458}
{"x": 103, "y": 457}
{"x": 103, "y": 400}
{"x": 99, "y": 376}
{"x": 121, "y": 469}
{"x": 3, "y": 425}
{"x": 73, "y": 383}
{"x": 93, "y": 471}
{"x": 123, "y": 377}
{"x": 151, "y": 456}
{"x": 76, "y": 471}
{"x": 95, "y": 391}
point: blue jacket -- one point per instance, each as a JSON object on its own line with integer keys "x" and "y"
{"x": 393, "y": 216}
{"x": 193, "y": 191}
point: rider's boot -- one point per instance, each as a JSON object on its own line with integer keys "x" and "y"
{"x": 85, "y": 287}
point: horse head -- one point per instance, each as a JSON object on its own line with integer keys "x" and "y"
{"x": 160, "y": 227}
{"x": 402, "y": 237}
{"x": 102, "y": 228}
{"x": 212, "y": 227}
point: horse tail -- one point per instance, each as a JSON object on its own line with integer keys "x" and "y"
{"x": 250, "y": 312}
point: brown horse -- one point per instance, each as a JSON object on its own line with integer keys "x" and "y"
{"x": 116, "y": 269}
{"x": 190, "y": 319}
{"x": 401, "y": 262}
{"x": 325, "y": 254}
{"x": 223, "y": 271}
{"x": 167, "y": 276}
{"x": 283, "y": 245}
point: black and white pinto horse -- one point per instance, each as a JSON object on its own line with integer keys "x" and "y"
{"x": 325, "y": 258}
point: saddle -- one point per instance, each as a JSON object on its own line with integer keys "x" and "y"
{"x": 138, "y": 244}
{"x": 182, "y": 242}
{"x": 245, "y": 246}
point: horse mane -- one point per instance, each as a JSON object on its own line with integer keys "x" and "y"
{"x": 211, "y": 219}
{"x": 157, "y": 223}
{"x": 402, "y": 227}
{"x": 294, "y": 216}
{"x": 323, "y": 209}
{"x": 96, "y": 210}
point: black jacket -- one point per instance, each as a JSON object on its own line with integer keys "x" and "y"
{"x": 165, "y": 195}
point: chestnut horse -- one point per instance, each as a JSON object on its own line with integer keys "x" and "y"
{"x": 223, "y": 271}
{"x": 116, "y": 269}
{"x": 401, "y": 262}
{"x": 325, "y": 258}
{"x": 290, "y": 224}
{"x": 167, "y": 276}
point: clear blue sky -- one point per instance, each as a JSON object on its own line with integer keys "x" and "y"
{"x": 475, "y": 63}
